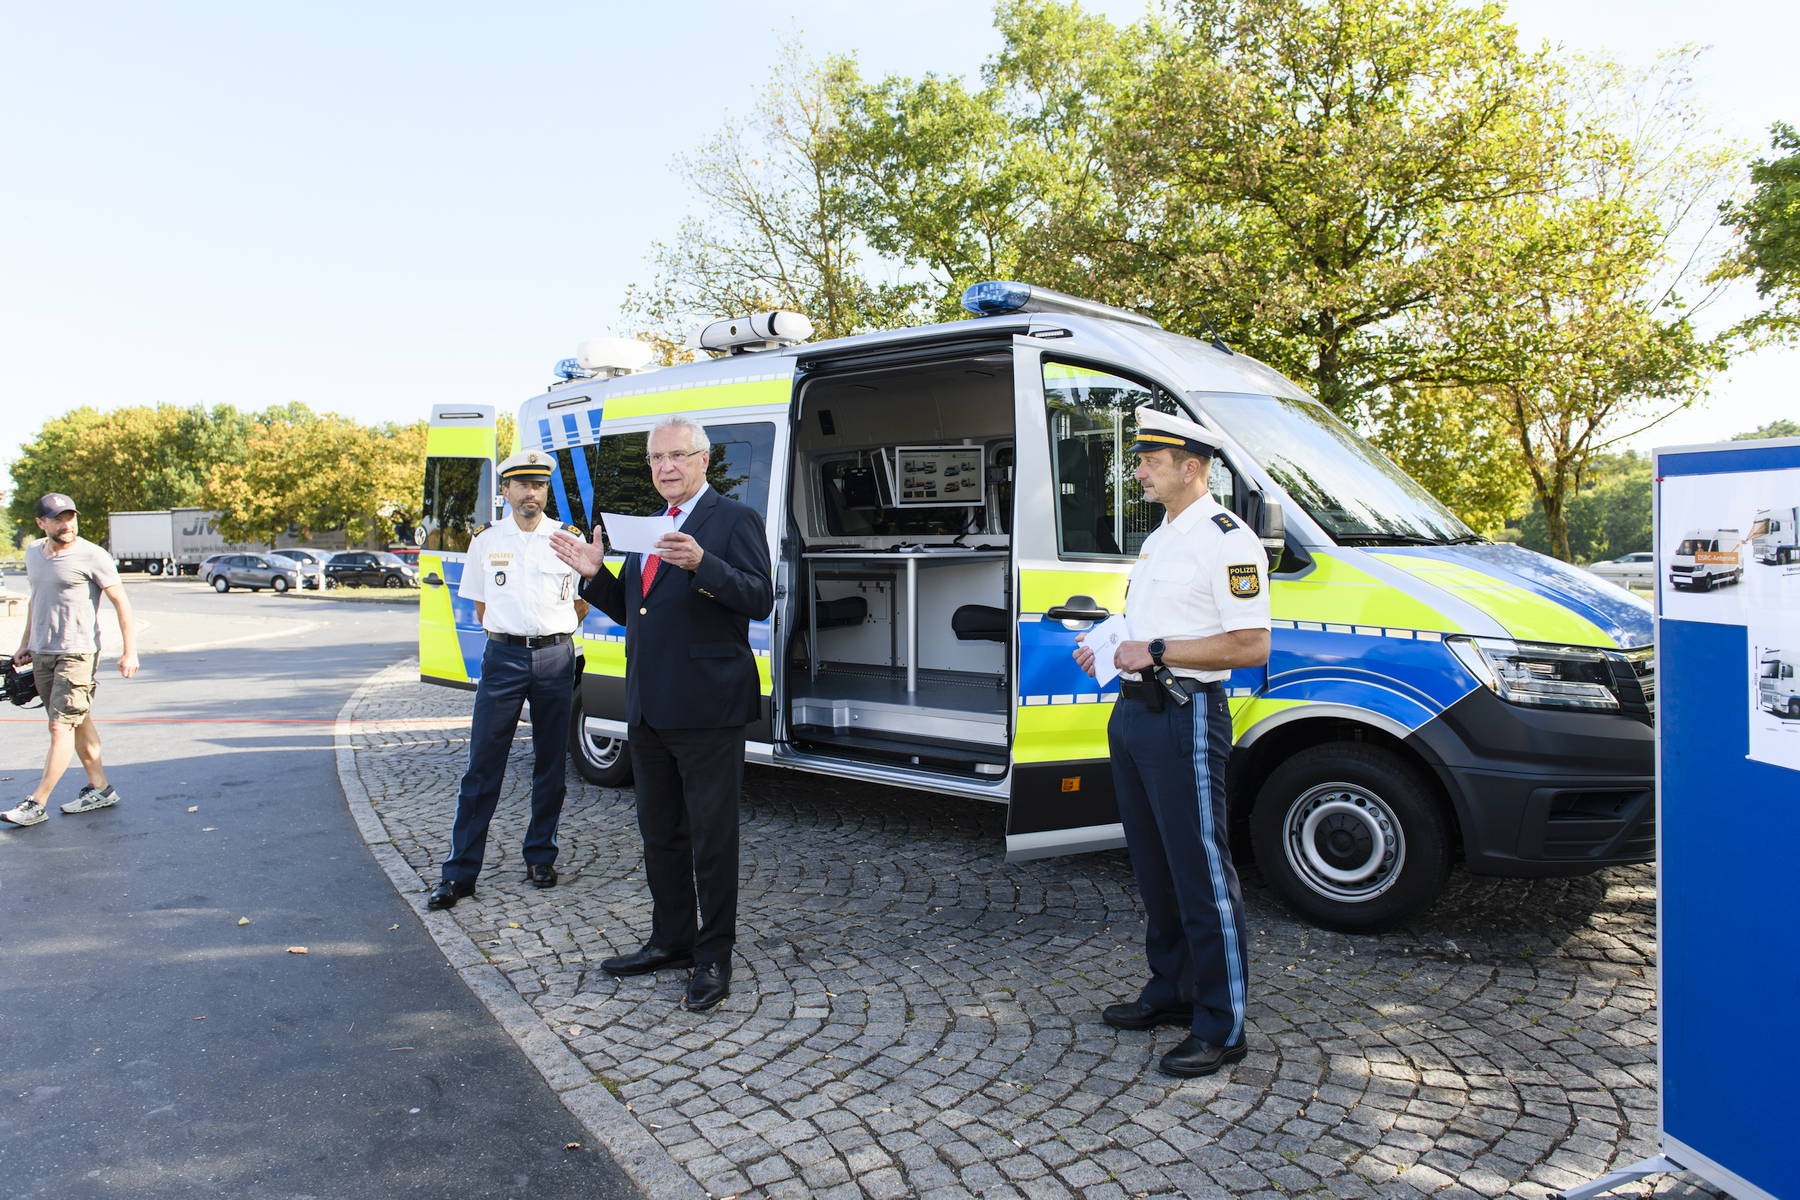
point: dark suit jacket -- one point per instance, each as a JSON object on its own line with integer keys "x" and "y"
{"x": 687, "y": 644}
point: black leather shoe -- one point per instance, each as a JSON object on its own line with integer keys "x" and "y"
{"x": 540, "y": 875}
{"x": 711, "y": 984}
{"x": 650, "y": 958}
{"x": 1138, "y": 1015}
{"x": 447, "y": 893}
{"x": 1194, "y": 1057}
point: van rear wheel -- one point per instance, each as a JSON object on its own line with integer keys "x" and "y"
{"x": 1352, "y": 836}
{"x": 601, "y": 760}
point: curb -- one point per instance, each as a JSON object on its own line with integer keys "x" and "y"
{"x": 630, "y": 1145}
{"x": 375, "y": 595}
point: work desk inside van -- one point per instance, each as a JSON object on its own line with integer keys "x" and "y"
{"x": 883, "y": 564}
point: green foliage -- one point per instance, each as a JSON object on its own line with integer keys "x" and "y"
{"x": 1459, "y": 445}
{"x": 1781, "y": 428}
{"x": 1769, "y": 222}
{"x": 1608, "y": 517}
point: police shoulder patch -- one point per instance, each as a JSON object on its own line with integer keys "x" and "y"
{"x": 1244, "y": 581}
{"x": 568, "y": 528}
{"x": 1226, "y": 522}
{"x": 482, "y": 530}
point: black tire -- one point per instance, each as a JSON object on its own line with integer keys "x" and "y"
{"x": 154, "y": 568}
{"x": 221, "y": 584}
{"x": 604, "y": 762}
{"x": 392, "y": 581}
{"x": 279, "y": 583}
{"x": 1793, "y": 706}
{"x": 1333, "y": 800}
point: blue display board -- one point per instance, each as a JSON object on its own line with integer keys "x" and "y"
{"x": 1728, "y": 812}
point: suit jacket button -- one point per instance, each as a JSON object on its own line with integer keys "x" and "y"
{"x": 642, "y": 611}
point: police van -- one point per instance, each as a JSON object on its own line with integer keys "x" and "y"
{"x": 948, "y": 506}
{"x": 1705, "y": 559}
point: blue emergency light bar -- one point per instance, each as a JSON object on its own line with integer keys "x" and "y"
{"x": 998, "y": 297}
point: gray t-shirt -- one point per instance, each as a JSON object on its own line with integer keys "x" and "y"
{"x": 65, "y": 596}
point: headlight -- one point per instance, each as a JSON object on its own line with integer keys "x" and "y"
{"x": 1539, "y": 674}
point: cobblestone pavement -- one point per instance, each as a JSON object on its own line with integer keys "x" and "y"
{"x": 912, "y": 1016}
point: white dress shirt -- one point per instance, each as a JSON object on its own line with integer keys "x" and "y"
{"x": 528, "y": 590}
{"x": 1201, "y": 574}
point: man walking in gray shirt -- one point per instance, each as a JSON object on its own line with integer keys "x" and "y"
{"x": 68, "y": 576}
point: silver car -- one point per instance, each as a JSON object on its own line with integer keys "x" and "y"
{"x": 1627, "y": 569}
{"x": 311, "y": 563}
{"x": 256, "y": 572}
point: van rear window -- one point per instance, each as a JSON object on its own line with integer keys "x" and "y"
{"x": 613, "y": 474}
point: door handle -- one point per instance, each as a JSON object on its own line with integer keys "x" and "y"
{"x": 1077, "y": 609}
{"x": 433, "y": 580}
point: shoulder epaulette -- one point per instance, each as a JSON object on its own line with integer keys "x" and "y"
{"x": 568, "y": 528}
{"x": 1225, "y": 521}
{"x": 481, "y": 531}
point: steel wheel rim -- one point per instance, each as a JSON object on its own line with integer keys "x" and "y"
{"x": 1344, "y": 842}
{"x": 601, "y": 751}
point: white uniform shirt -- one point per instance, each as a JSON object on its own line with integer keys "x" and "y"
{"x": 527, "y": 589}
{"x": 1202, "y": 574}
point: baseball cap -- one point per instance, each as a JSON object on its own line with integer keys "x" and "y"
{"x": 55, "y": 504}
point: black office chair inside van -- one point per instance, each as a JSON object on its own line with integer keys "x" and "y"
{"x": 983, "y": 623}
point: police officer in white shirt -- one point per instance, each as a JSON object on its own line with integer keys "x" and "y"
{"x": 1198, "y": 596}
{"x": 524, "y": 597}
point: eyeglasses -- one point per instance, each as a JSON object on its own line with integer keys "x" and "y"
{"x": 657, "y": 460}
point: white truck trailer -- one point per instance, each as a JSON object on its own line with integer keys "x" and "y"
{"x": 1773, "y": 535}
{"x": 141, "y": 541}
{"x": 1780, "y": 691}
{"x": 196, "y": 539}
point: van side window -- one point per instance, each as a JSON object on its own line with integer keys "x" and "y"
{"x": 1100, "y": 506}
{"x": 455, "y": 502}
{"x": 613, "y": 474}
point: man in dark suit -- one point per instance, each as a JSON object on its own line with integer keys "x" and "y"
{"x": 691, "y": 688}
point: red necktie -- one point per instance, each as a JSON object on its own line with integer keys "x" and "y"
{"x": 654, "y": 561}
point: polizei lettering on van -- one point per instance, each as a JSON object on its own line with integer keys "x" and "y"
{"x": 947, "y": 507}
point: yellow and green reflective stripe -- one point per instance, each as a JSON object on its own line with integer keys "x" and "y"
{"x": 460, "y": 441}
{"x": 1247, "y": 712}
{"x": 1338, "y": 593}
{"x": 440, "y": 652}
{"x": 1524, "y": 613}
{"x": 655, "y": 402}
{"x": 1039, "y": 590}
{"x": 606, "y": 656}
{"x": 1053, "y": 733}
{"x": 1055, "y": 370}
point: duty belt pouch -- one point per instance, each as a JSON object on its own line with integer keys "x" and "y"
{"x": 1153, "y": 696}
{"x": 1171, "y": 685}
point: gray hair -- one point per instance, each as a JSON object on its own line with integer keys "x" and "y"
{"x": 697, "y": 439}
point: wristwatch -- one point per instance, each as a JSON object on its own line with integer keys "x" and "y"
{"x": 1156, "y": 651}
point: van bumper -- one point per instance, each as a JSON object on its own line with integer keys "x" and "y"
{"x": 1544, "y": 792}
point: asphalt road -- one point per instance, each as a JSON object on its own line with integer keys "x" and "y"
{"x": 153, "y": 1045}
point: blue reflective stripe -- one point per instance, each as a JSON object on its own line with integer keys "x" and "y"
{"x": 1215, "y": 869}
{"x": 544, "y": 435}
{"x": 562, "y": 493}
{"x": 585, "y": 482}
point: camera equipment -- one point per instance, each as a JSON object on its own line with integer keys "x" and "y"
{"x": 21, "y": 686}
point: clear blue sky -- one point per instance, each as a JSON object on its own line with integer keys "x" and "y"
{"x": 373, "y": 207}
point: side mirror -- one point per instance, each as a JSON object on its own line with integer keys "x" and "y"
{"x": 1263, "y": 514}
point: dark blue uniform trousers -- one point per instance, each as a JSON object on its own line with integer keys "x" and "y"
{"x": 511, "y": 675}
{"x": 1169, "y": 772}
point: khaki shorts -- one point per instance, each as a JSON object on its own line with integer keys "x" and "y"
{"x": 66, "y": 683}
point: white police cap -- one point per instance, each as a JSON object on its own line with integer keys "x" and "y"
{"x": 528, "y": 464}
{"x": 1163, "y": 431}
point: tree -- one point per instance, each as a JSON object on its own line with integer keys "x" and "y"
{"x": 1460, "y": 446}
{"x": 1608, "y": 517}
{"x": 320, "y": 472}
{"x": 1769, "y": 223}
{"x": 1576, "y": 318}
{"x": 1780, "y": 428}
{"x": 779, "y": 234}
{"x": 133, "y": 459}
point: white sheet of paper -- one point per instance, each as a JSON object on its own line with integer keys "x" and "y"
{"x": 1103, "y": 639}
{"x": 635, "y": 535}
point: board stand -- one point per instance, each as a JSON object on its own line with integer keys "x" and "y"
{"x": 1661, "y": 1164}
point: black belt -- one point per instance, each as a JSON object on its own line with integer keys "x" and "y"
{"x": 532, "y": 643}
{"x": 1137, "y": 689}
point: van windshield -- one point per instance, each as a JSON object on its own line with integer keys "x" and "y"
{"x": 1342, "y": 481}
{"x": 1693, "y": 546}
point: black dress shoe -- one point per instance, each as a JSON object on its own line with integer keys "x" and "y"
{"x": 540, "y": 875}
{"x": 1139, "y": 1015}
{"x": 1195, "y": 1057}
{"x": 650, "y": 958}
{"x": 711, "y": 984}
{"x": 447, "y": 893}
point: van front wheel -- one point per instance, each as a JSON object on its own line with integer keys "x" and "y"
{"x": 1352, "y": 837}
{"x": 601, "y": 760}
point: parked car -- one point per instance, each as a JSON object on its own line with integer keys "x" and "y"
{"x": 205, "y": 570}
{"x": 1636, "y": 567}
{"x": 312, "y": 565}
{"x": 256, "y": 572}
{"x": 369, "y": 568}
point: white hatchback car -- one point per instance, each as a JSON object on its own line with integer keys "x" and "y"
{"x": 1637, "y": 567}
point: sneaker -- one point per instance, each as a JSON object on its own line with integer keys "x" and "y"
{"x": 91, "y": 798}
{"x": 29, "y": 812}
